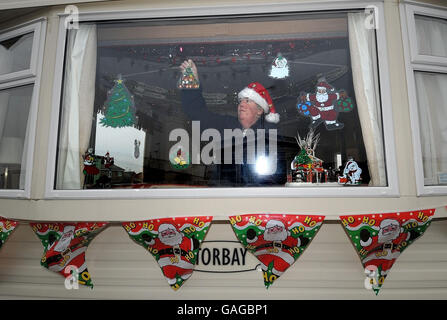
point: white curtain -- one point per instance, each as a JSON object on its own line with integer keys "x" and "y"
{"x": 364, "y": 72}
{"x": 431, "y": 36}
{"x": 431, "y": 92}
{"x": 77, "y": 105}
{"x": 14, "y": 106}
{"x": 5, "y": 67}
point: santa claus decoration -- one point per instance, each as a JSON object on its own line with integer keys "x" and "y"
{"x": 174, "y": 243}
{"x": 380, "y": 239}
{"x": 65, "y": 245}
{"x": 277, "y": 240}
{"x": 323, "y": 106}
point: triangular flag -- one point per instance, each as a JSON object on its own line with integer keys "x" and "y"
{"x": 6, "y": 228}
{"x": 65, "y": 245}
{"x": 174, "y": 243}
{"x": 380, "y": 238}
{"x": 277, "y": 240}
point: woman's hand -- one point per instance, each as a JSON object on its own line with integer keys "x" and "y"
{"x": 190, "y": 64}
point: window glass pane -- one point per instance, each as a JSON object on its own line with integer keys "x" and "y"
{"x": 431, "y": 36}
{"x": 14, "y": 111}
{"x": 432, "y": 107}
{"x": 127, "y": 99}
{"x": 15, "y": 53}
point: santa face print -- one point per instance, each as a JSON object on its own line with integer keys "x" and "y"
{"x": 275, "y": 231}
{"x": 322, "y": 95}
{"x": 389, "y": 231}
{"x": 170, "y": 236}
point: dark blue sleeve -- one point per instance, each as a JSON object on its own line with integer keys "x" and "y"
{"x": 194, "y": 106}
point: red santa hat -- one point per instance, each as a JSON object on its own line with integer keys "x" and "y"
{"x": 256, "y": 92}
{"x": 324, "y": 85}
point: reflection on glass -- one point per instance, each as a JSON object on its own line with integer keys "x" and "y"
{"x": 162, "y": 134}
{"x": 432, "y": 107}
{"x": 15, "y": 53}
{"x": 431, "y": 34}
{"x": 14, "y": 111}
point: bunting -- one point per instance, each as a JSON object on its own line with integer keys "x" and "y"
{"x": 277, "y": 240}
{"x": 6, "y": 228}
{"x": 174, "y": 243}
{"x": 65, "y": 245}
{"x": 379, "y": 239}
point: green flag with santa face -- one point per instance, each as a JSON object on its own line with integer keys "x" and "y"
{"x": 6, "y": 228}
{"x": 379, "y": 239}
{"x": 277, "y": 240}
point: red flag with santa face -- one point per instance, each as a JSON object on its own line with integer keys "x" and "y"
{"x": 174, "y": 243}
{"x": 65, "y": 245}
{"x": 277, "y": 240}
{"x": 380, "y": 238}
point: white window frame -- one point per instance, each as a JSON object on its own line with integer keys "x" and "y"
{"x": 417, "y": 62}
{"x": 30, "y": 76}
{"x": 392, "y": 190}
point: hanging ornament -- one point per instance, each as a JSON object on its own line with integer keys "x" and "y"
{"x": 120, "y": 108}
{"x": 380, "y": 238}
{"x": 277, "y": 240}
{"x": 6, "y": 228}
{"x": 188, "y": 80}
{"x": 65, "y": 245}
{"x": 174, "y": 243}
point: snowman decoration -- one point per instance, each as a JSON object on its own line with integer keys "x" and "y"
{"x": 280, "y": 68}
{"x": 351, "y": 173}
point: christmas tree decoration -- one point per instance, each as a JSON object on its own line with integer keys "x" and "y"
{"x": 174, "y": 243}
{"x": 188, "y": 80}
{"x": 379, "y": 239}
{"x": 280, "y": 68}
{"x": 120, "y": 107}
{"x": 65, "y": 245}
{"x": 351, "y": 174}
{"x": 277, "y": 240}
{"x": 306, "y": 166}
{"x": 6, "y": 228}
{"x": 324, "y": 105}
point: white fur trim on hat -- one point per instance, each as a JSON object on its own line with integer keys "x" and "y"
{"x": 272, "y": 117}
{"x": 256, "y": 97}
{"x": 366, "y": 243}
